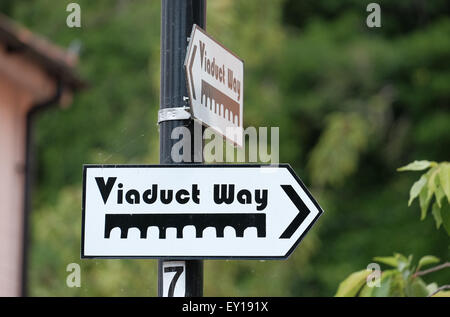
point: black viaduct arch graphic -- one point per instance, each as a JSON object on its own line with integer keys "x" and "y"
{"x": 218, "y": 98}
{"x": 238, "y": 221}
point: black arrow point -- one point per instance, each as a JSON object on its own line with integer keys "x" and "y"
{"x": 302, "y": 214}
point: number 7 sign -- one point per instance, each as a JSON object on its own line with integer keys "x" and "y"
{"x": 174, "y": 279}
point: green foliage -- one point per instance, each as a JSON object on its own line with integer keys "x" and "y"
{"x": 339, "y": 148}
{"x": 417, "y": 166}
{"x": 56, "y": 243}
{"x": 427, "y": 260}
{"x": 402, "y": 281}
{"x": 352, "y": 284}
{"x": 391, "y": 284}
{"x": 442, "y": 294}
{"x": 434, "y": 183}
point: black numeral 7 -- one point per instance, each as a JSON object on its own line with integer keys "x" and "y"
{"x": 178, "y": 270}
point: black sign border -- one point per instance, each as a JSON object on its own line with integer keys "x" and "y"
{"x": 283, "y": 165}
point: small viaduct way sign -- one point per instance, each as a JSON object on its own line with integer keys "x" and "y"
{"x": 194, "y": 211}
{"x": 215, "y": 79}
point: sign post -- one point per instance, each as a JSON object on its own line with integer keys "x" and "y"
{"x": 183, "y": 213}
{"x": 177, "y": 19}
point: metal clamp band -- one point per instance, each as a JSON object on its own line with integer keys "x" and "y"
{"x": 169, "y": 114}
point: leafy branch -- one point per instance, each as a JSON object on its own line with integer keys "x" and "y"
{"x": 398, "y": 281}
{"x": 405, "y": 278}
{"x": 433, "y": 269}
{"x": 435, "y": 183}
{"x": 439, "y": 289}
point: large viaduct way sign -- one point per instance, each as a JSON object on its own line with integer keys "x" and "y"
{"x": 215, "y": 80}
{"x": 194, "y": 211}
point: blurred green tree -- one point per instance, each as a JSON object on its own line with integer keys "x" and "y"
{"x": 352, "y": 103}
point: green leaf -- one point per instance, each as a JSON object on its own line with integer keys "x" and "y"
{"x": 384, "y": 290}
{"x": 424, "y": 201}
{"x": 439, "y": 193}
{"x": 367, "y": 291}
{"x": 403, "y": 263}
{"x": 436, "y": 212}
{"x": 442, "y": 294}
{"x": 432, "y": 180}
{"x": 417, "y": 188}
{"x": 389, "y": 260}
{"x": 427, "y": 260}
{"x": 397, "y": 285}
{"x": 416, "y": 166}
{"x": 445, "y": 215}
{"x": 385, "y": 286}
{"x": 352, "y": 284}
{"x": 432, "y": 287}
{"x": 444, "y": 177}
{"x": 416, "y": 287}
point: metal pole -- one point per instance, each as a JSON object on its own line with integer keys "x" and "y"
{"x": 177, "y": 19}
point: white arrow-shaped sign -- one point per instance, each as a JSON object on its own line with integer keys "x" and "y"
{"x": 215, "y": 80}
{"x": 194, "y": 211}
